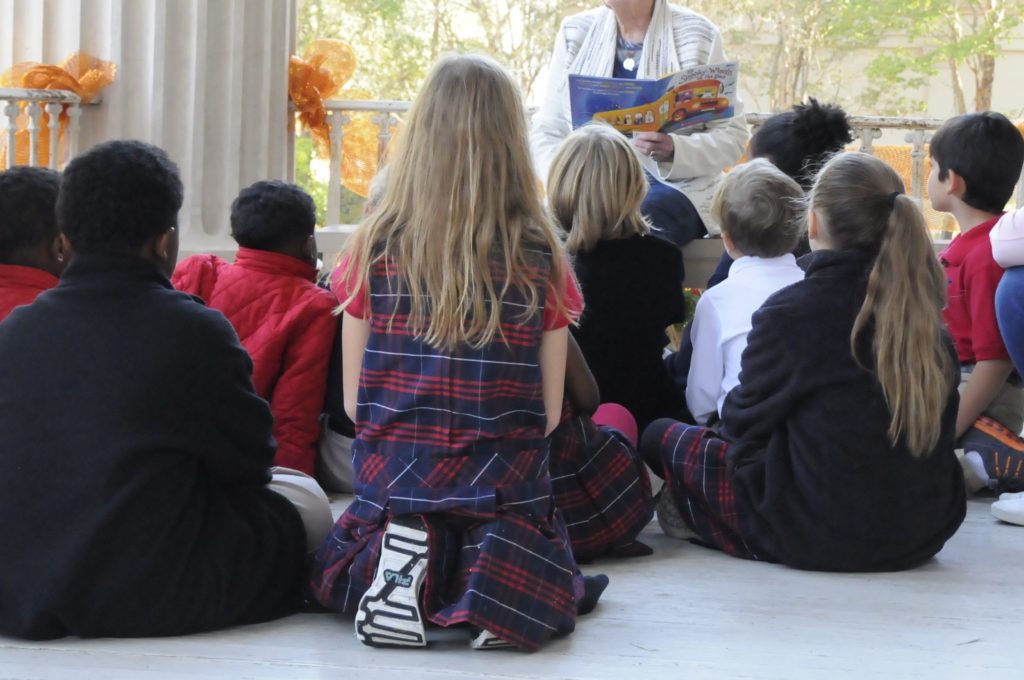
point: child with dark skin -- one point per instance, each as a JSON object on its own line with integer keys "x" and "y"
{"x": 32, "y": 252}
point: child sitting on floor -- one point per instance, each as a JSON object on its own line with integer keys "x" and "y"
{"x": 758, "y": 207}
{"x": 31, "y": 254}
{"x": 457, "y": 299}
{"x": 631, "y": 280}
{"x": 837, "y": 445}
{"x": 976, "y": 160}
{"x": 282, "y": 317}
{"x": 138, "y": 499}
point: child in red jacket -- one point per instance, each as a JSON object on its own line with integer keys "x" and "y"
{"x": 282, "y": 318}
{"x": 31, "y": 255}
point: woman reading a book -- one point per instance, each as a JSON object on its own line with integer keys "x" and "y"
{"x": 647, "y": 39}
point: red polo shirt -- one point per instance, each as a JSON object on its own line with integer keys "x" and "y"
{"x": 971, "y": 280}
{"x": 21, "y": 285}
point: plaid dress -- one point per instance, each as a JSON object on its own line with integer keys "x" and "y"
{"x": 457, "y": 437}
{"x": 697, "y": 476}
{"x": 600, "y": 485}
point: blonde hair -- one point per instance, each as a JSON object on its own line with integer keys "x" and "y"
{"x": 460, "y": 215}
{"x": 759, "y": 208}
{"x": 861, "y": 201}
{"x": 595, "y": 187}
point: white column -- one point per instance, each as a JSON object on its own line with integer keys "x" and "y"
{"x": 205, "y": 79}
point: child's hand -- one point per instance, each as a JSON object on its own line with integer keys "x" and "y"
{"x": 657, "y": 145}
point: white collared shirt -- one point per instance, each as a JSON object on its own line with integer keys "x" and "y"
{"x": 721, "y": 324}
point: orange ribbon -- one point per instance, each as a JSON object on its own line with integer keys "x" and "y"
{"x": 324, "y": 68}
{"x": 81, "y": 73}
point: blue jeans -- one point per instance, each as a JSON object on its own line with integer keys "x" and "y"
{"x": 1010, "y": 313}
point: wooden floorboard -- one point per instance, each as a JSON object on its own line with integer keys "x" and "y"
{"x": 685, "y": 612}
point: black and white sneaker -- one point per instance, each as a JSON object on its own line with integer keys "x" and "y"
{"x": 485, "y": 639}
{"x": 389, "y": 614}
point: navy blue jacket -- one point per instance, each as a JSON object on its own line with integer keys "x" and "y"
{"x": 816, "y": 477}
{"x": 136, "y": 454}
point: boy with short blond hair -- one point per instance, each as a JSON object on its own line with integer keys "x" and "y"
{"x": 759, "y": 208}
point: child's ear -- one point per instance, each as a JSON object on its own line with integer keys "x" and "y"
{"x": 730, "y": 247}
{"x": 812, "y": 225}
{"x": 63, "y": 251}
{"x": 309, "y": 249}
{"x": 165, "y": 250}
{"x": 955, "y": 185}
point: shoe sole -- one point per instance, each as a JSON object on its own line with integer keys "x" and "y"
{"x": 488, "y": 640}
{"x": 1003, "y": 465}
{"x": 389, "y": 613}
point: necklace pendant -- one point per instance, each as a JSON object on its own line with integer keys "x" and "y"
{"x": 629, "y": 63}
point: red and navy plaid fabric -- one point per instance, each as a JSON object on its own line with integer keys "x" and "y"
{"x": 697, "y": 476}
{"x": 457, "y": 437}
{"x": 600, "y": 486}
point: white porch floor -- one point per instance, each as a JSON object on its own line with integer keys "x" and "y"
{"x": 685, "y": 612}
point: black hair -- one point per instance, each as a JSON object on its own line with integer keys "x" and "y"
{"x": 270, "y": 215}
{"x": 28, "y": 199}
{"x": 987, "y": 151}
{"x": 800, "y": 140}
{"x": 117, "y": 196}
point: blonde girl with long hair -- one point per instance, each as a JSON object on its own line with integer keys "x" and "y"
{"x": 457, "y": 298}
{"x": 631, "y": 278}
{"x": 836, "y": 449}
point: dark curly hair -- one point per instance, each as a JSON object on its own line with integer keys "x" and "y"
{"x": 987, "y": 151}
{"x": 800, "y": 140}
{"x": 28, "y": 197}
{"x": 117, "y": 196}
{"x": 270, "y": 215}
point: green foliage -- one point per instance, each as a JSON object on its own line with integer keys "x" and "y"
{"x": 304, "y": 177}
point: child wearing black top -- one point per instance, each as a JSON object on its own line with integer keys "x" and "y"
{"x": 632, "y": 282}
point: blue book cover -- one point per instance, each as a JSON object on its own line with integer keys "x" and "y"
{"x": 691, "y": 97}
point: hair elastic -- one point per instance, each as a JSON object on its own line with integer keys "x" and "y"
{"x": 892, "y": 199}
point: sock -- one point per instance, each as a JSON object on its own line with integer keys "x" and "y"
{"x": 593, "y": 586}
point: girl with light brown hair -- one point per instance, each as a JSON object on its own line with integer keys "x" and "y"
{"x": 632, "y": 280}
{"x": 457, "y": 299}
{"x": 836, "y": 448}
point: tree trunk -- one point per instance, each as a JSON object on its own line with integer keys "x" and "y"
{"x": 959, "y": 101}
{"x": 984, "y": 79}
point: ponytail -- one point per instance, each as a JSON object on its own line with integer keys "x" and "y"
{"x": 906, "y": 293}
{"x": 861, "y": 200}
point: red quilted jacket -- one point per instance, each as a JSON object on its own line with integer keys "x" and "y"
{"x": 21, "y": 285}
{"x": 284, "y": 321}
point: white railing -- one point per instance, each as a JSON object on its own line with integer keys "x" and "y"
{"x": 35, "y": 103}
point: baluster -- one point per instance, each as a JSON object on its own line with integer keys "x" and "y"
{"x": 385, "y": 121}
{"x": 53, "y": 113}
{"x": 338, "y": 121}
{"x": 11, "y": 111}
{"x": 35, "y": 111}
{"x": 74, "y": 113}
{"x": 917, "y": 140}
{"x": 867, "y": 136}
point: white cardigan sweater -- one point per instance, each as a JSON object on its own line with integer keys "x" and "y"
{"x": 701, "y": 152}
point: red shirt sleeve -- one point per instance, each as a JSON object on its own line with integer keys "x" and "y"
{"x": 346, "y": 280}
{"x": 981, "y": 280}
{"x": 573, "y": 302}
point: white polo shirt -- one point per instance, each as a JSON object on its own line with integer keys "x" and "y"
{"x": 721, "y": 324}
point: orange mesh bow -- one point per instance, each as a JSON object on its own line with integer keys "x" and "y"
{"x": 317, "y": 76}
{"x": 81, "y": 73}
